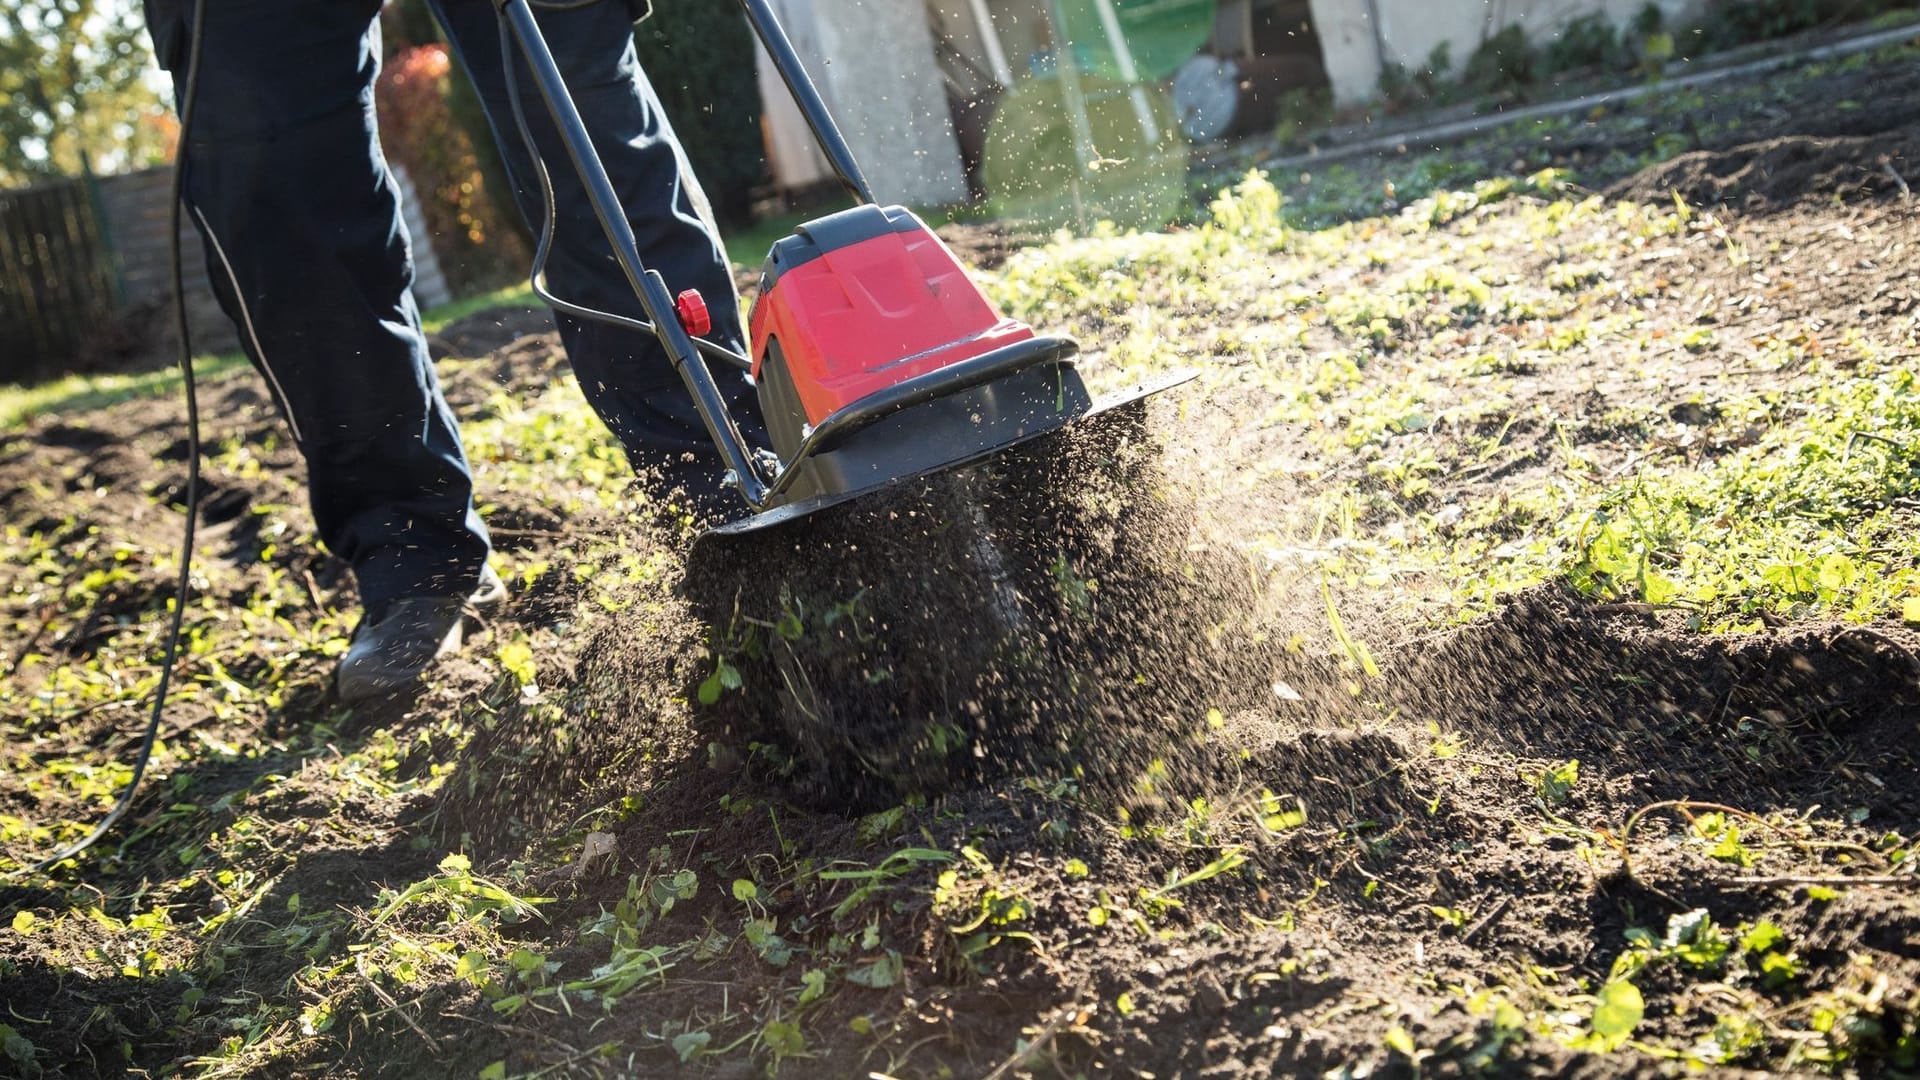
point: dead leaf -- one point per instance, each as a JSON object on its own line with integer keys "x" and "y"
{"x": 597, "y": 852}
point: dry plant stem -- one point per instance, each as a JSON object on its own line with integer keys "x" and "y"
{"x": 1683, "y": 806}
{"x": 1879, "y": 638}
{"x": 1882, "y": 880}
{"x": 313, "y": 591}
{"x": 906, "y": 1055}
{"x": 394, "y": 1008}
{"x": 1898, "y": 180}
{"x": 1061, "y": 1018}
{"x": 1481, "y": 924}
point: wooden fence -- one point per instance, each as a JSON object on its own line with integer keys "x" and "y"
{"x": 57, "y": 282}
{"x": 84, "y": 268}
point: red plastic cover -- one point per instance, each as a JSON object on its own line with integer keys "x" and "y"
{"x": 867, "y": 316}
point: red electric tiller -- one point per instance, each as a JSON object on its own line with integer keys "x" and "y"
{"x": 876, "y": 358}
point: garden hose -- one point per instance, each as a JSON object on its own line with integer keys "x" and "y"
{"x": 181, "y": 586}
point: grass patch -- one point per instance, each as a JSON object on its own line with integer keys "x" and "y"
{"x": 748, "y": 245}
{"x": 80, "y": 393}
{"x": 1395, "y": 344}
{"x": 520, "y": 296}
{"x": 1816, "y": 519}
{"x": 1404, "y": 414}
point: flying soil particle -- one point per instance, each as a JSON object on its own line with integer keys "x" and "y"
{"x": 1044, "y": 613}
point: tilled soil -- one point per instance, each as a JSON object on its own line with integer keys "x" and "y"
{"x": 1068, "y": 670}
{"x": 1841, "y": 129}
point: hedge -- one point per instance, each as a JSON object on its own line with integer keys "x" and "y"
{"x": 699, "y": 55}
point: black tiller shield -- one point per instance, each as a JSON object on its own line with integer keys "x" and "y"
{"x": 1122, "y": 406}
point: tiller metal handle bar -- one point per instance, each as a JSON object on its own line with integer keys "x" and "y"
{"x": 518, "y": 23}
{"x": 807, "y": 96}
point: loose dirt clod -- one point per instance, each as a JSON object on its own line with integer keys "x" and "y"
{"x": 994, "y": 621}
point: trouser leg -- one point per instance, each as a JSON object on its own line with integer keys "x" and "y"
{"x": 309, "y": 256}
{"x": 626, "y": 374}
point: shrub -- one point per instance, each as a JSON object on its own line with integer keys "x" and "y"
{"x": 1401, "y": 89}
{"x": 1648, "y": 40}
{"x": 699, "y": 55}
{"x": 1728, "y": 23}
{"x": 477, "y": 248}
{"x": 1587, "y": 42}
{"x": 1649, "y": 20}
{"x": 1504, "y": 63}
{"x": 1302, "y": 110}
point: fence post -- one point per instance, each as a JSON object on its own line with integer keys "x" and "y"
{"x": 109, "y": 263}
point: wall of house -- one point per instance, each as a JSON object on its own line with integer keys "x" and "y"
{"x": 874, "y": 63}
{"x": 1408, "y": 31}
{"x": 891, "y": 101}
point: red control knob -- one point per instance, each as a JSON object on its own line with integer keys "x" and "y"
{"x": 693, "y": 313}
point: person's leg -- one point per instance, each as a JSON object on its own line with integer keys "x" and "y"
{"x": 625, "y": 374}
{"x": 309, "y": 257}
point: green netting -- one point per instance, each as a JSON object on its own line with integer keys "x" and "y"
{"x": 1034, "y": 171}
{"x": 1161, "y": 34}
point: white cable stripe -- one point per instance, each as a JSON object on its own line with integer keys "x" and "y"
{"x": 246, "y": 320}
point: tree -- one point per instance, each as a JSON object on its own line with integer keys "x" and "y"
{"x": 75, "y": 94}
{"x": 699, "y": 55}
{"x": 410, "y": 22}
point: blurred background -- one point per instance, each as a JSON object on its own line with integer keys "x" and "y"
{"x": 1056, "y": 113}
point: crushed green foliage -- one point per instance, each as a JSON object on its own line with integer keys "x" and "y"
{"x": 1395, "y": 342}
{"x": 1391, "y": 359}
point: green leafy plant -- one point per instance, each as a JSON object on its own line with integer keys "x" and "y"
{"x": 1504, "y": 63}
{"x": 1617, "y": 1011}
{"x": 1401, "y": 89}
{"x": 1554, "y": 786}
{"x": 478, "y": 248}
{"x": 1588, "y": 41}
{"x": 695, "y": 53}
{"x": 462, "y": 894}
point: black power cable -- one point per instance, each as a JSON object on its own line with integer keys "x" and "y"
{"x": 189, "y": 92}
{"x": 196, "y": 38}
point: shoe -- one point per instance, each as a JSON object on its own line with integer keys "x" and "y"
{"x": 396, "y": 643}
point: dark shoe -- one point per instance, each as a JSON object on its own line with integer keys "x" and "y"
{"x": 394, "y": 645}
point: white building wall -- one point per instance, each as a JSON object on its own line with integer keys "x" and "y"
{"x": 875, "y": 66}
{"x": 1409, "y": 30}
{"x": 793, "y": 156}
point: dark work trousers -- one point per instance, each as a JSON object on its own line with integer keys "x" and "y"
{"x": 310, "y": 258}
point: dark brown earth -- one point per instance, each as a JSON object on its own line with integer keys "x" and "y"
{"x": 1849, "y": 135}
{"x": 1843, "y": 129}
{"x": 880, "y": 676}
